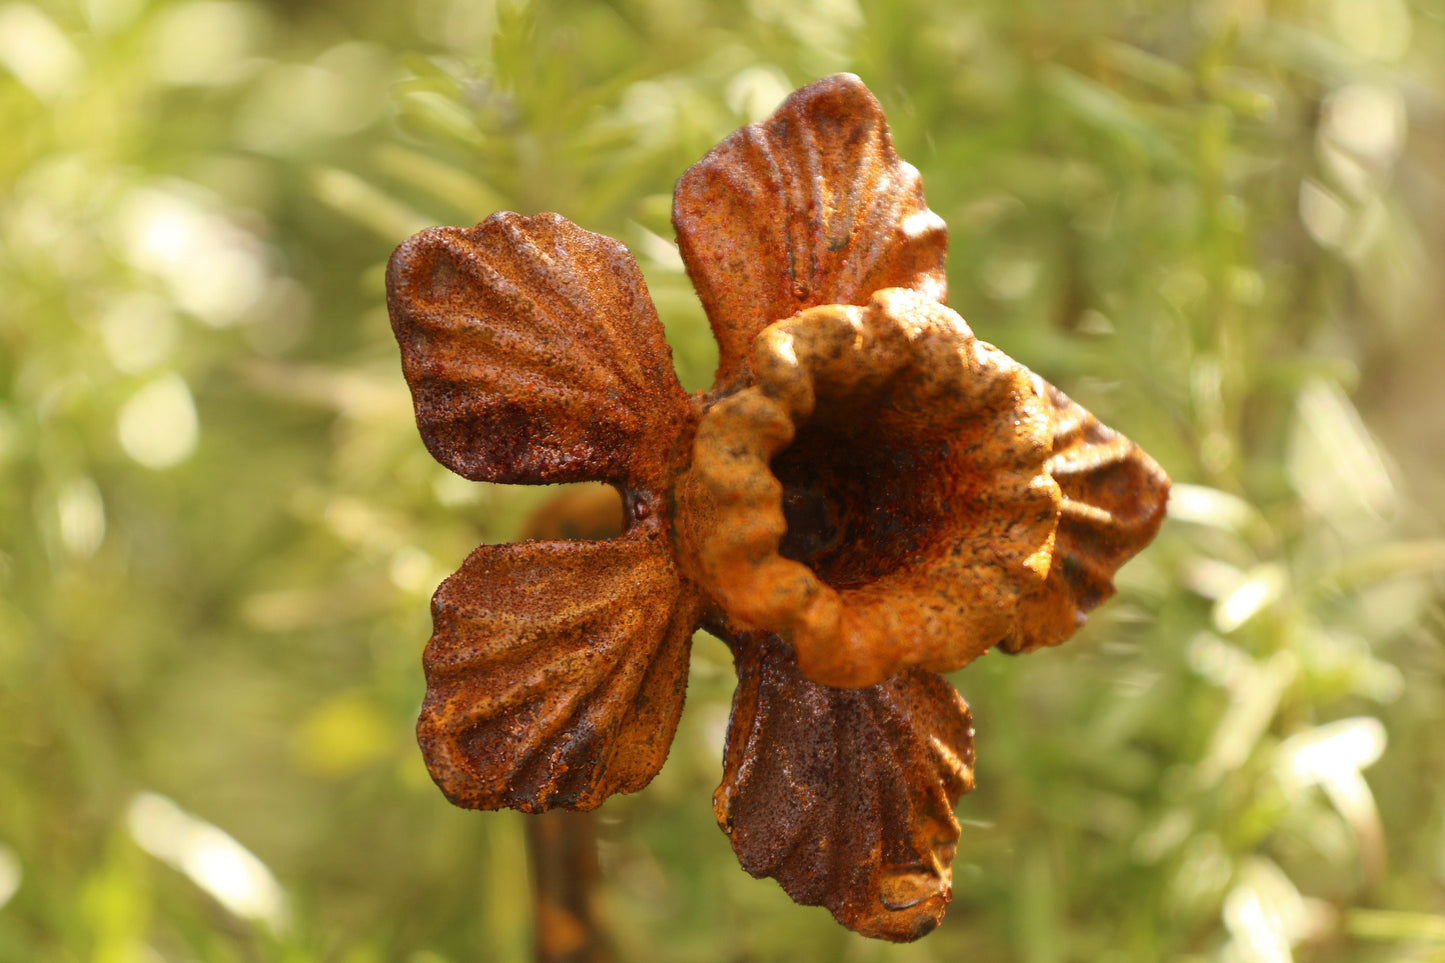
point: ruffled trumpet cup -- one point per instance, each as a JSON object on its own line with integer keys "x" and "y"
{"x": 878, "y": 496}
{"x": 867, "y": 496}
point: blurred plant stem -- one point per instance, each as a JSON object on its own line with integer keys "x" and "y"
{"x": 562, "y": 848}
{"x": 562, "y": 845}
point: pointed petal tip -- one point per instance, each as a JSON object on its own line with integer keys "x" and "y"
{"x": 1114, "y": 500}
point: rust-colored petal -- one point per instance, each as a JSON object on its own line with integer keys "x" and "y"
{"x": 556, "y": 672}
{"x": 1113, "y": 505}
{"x": 845, "y": 796}
{"x": 809, "y": 207}
{"x": 533, "y": 352}
{"x": 911, "y": 459}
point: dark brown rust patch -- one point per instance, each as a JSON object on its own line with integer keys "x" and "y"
{"x": 846, "y": 796}
{"x": 876, "y": 499}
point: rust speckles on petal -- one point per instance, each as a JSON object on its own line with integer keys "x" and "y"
{"x": 1114, "y": 498}
{"x": 913, "y": 458}
{"x": 846, "y": 796}
{"x": 812, "y": 206}
{"x": 556, "y": 672}
{"x": 533, "y": 352}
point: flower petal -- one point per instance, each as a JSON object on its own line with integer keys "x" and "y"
{"x": 533, "y": 352}
{"x": 810, "y": 207}
{"x": 845, "y": 796}
{"x": 1114, "y": 498}
{"x": 556, "y": 671}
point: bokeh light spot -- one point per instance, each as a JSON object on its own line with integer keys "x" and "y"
{"x": 158, "y": 426}
{"x": 212, "y": 859}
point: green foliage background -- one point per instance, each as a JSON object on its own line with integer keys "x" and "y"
{"x": 1216, "y": 223}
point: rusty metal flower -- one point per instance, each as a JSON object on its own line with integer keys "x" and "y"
{"x": 868, "y": 496}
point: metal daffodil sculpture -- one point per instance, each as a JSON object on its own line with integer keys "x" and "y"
{"x": 868, "y": 496}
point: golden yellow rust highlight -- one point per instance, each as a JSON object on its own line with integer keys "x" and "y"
{"x": 903, "y": 375}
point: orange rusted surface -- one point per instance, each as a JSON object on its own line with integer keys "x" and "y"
{"x": 867, "y": 496}
{"x": 556, "y": 671}
{"x": 810, "y": 207}
{"x": 534, "y": 353}
{"x": 878, "y": 497}
{"x": 1113, "y": 503}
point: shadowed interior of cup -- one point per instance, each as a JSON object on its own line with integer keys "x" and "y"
{"x": 865, "y": 491}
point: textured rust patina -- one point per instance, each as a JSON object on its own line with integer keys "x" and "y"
{"x": 878, "y": 496}
{"x": 867, "y": 496}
